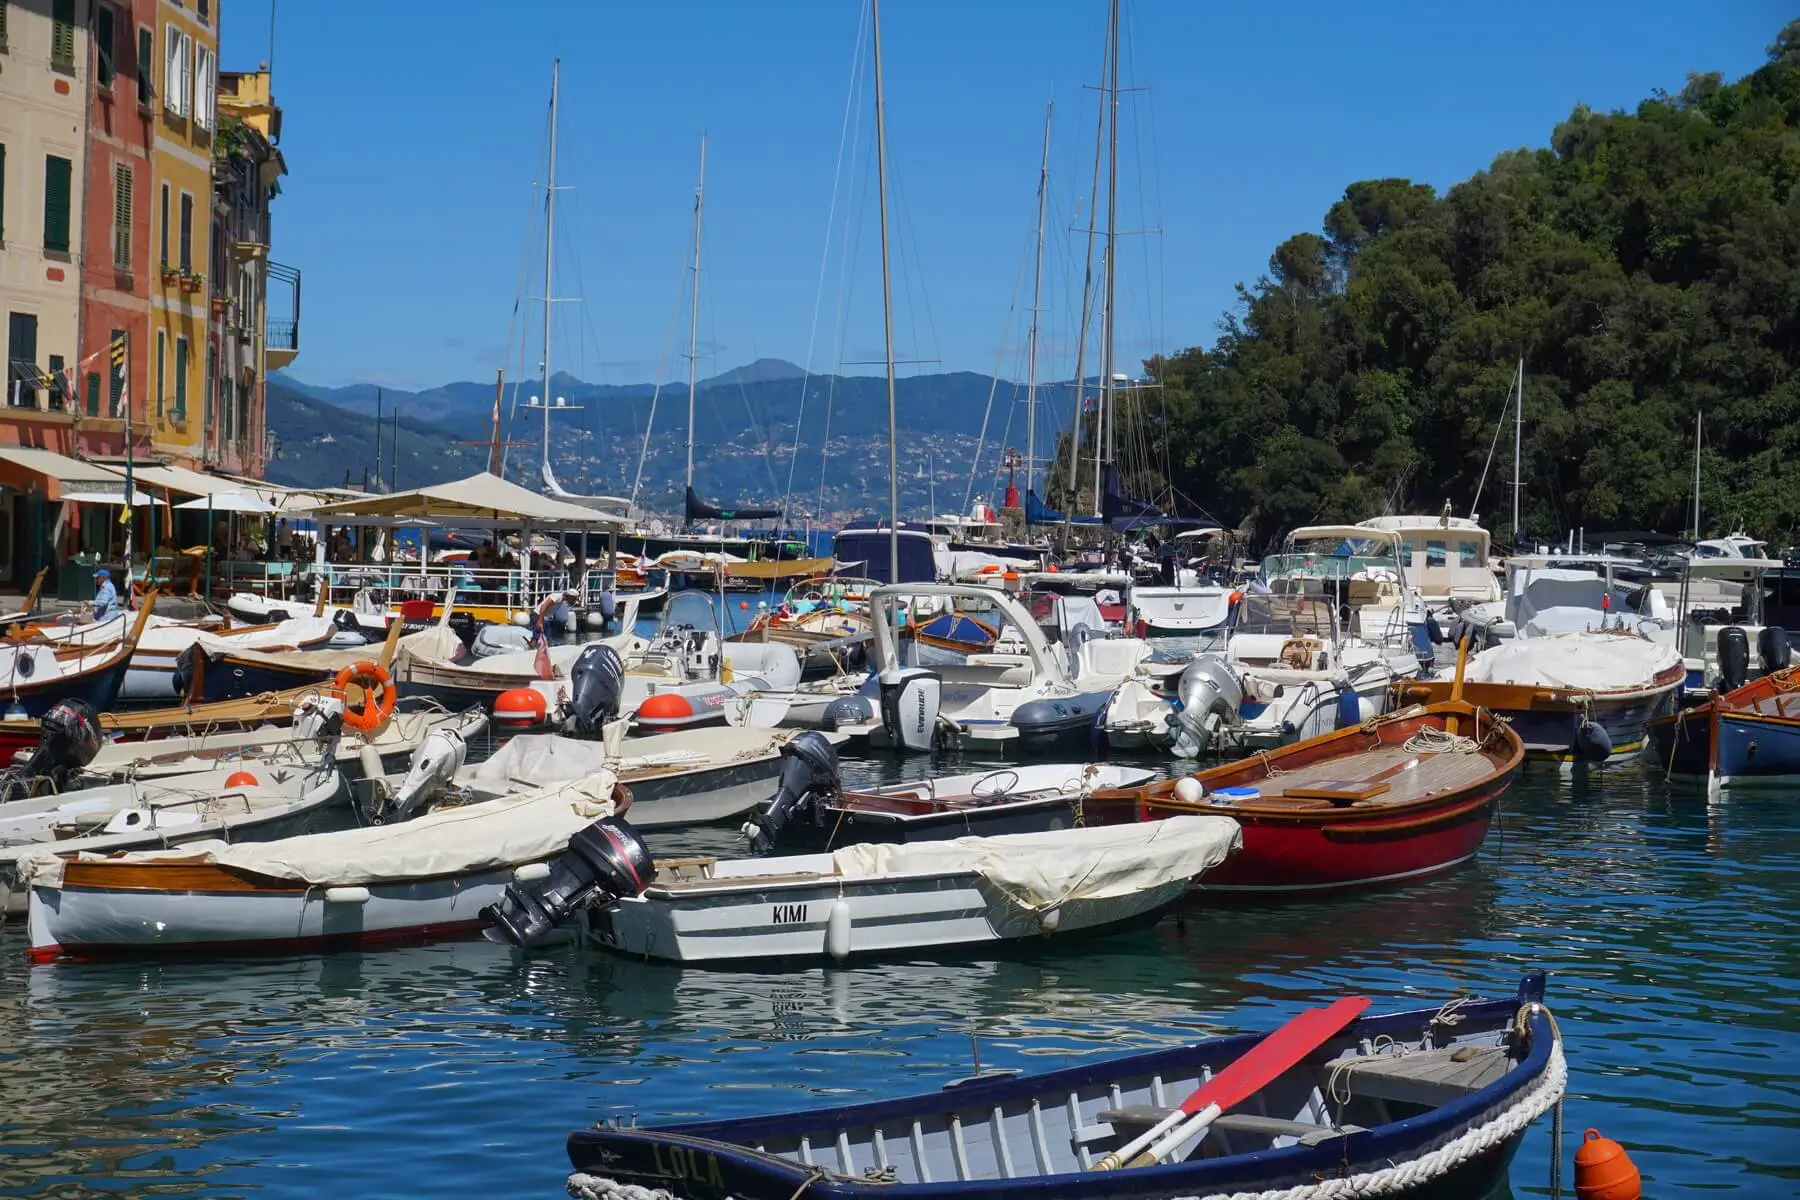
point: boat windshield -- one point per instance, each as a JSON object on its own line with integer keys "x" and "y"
{"x": 1332, "y": 558}
{"x": 1288, "y": 616}
{"x": 693, "y": 609}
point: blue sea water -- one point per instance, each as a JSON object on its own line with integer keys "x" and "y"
{"x": 456, "y": 1070}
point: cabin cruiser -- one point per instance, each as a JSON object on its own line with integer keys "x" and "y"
{"x": 1360, "y": 571}
{"x": 1025, "y": 695}
{"x": 1194, "y": 596}
{"x": 1447, "y": 558}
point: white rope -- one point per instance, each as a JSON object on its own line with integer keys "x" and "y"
{"x": 1431, "y": 740}
{"x": 1388, "y": 1181}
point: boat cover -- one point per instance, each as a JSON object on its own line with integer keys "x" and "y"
{"x": 489, "y": 836}
{"x": 538, "y": 759}
{"x": 439, "y": 642}
{"x": 1599, "y": 662}
{"x": 1039, "y": 871}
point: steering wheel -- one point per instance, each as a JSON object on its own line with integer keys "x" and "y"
{"x": 999, "y": 790}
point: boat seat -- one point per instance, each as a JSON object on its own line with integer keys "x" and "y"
{"x": 1429, "y": 1078}
{"x": 1133, "y": 1119}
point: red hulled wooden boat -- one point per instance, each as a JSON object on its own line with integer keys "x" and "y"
{"x": 1395, "y": 799}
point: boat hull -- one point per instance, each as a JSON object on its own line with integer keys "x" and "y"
{"x": 1738, "y": 748}
{"x": 1548, "y": 720}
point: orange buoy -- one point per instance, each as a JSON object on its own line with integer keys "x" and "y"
{"x": 520, "y": 708}
{"x": 665, "y": 706}
{"x": 1603, "y": 1171}
{"x": 378, "y": 695}
{"x": 238, "y": 779}
{"x": 743, "y": 604}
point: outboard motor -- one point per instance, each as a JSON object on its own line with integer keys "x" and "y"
{"x": 434, "y": 765}
{"x": 1208, "y": 689}
{"x": 604, "y": 861}
{"x": 68, "y": 738}
{"x": 347, "y": 630}
{"x": 909, "y": 707}
{"x": 809, "y": 774}
{"x": 319, "y": 719}
{"x": 1772, "y": 648}
{"x": 596, "y": 687}
{"x": 1734, "y": 658}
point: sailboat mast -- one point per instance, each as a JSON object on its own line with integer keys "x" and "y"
{"x": 1518, "y": 442}
{"x": 550, "y": 256}
{"x": 887, "y": 302}
{"x": 1107, "y": 398}
{"x": 1087, "y": 308}
{"x": 694, "y": 311}
{"x": 1698, "y": 430}
{"x": 1037, "y": 307}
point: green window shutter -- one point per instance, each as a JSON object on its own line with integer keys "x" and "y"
{"x": 103, "y": 45}
{"x": 57, "y": 181}
{"x": 181, "y": 374}
{"x": 115, "y": 381}
{"x": 212, "y": 382}
{"x": 62, "y": 33}
{"x": 58, "y": 382}
{"x": 2, "y": 155}
{"x": 162, "y": 349}
{"x": 146, "y": 65}
{"x": 187, "y": 232}
{"x": 165, "y": 226}
{"x": 93, "y": 393}
{"x": 2, "y": 24}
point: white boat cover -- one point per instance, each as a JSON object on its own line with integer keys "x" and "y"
{"x": 453, "y": 841}
{"x": 436, "y": 642}
{"x": 1039, "y": 871}
{"x": 1598, "y": 662}
{"x": 538, "y": 759}
{"x": 290, "y": 634}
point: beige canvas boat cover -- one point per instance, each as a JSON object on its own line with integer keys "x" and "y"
{"x": 436, "y": 642}
{"x": 1039, "y": 871}
{"x": 454, "y": 841}
{"x": 1597, "y": 662}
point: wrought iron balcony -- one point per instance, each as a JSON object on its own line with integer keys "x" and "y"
{"x": 281, "y": 328}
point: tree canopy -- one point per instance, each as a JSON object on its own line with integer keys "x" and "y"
{"x": 1645, "y": 266}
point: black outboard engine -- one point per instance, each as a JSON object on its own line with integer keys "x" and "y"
{"x": 809, "y": 775}
{"x": 68, "y": 739}
{"x": 1772, "y": 648}
{"x": 596, "y": 686}
{"x": 1734, "y": 658}
{"x": 604, "y": 861}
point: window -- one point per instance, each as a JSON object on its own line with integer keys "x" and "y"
{"x": 93, "y": 393}
{"x": 1468, "y": 554}
{"x": 162, "y": 347}
{"x": 205, "y": 86}
{"x": 58, "y": 172}
{"x": 1435, "y": 555}
{"x": 181, "y": 376}
{"x": 187, "y": 232}
{"x": 204, "y": 8}
{"x": 212, "y": 382}
{"x": 119, "y": 348}
{"x": 165, "y": 226}
{"x": 177, "y": 70}
{"x": 21, "y": 359}
{"x": 59, "y": 382}
{"x": 2, "y": 26}
{"x": 146, "y": 72}
{"x": 104, "y": 35}
{"x": 62, "y": 34}
{"x": 122, "y": 185}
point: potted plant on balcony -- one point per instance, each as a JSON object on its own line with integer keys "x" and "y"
{"x": 192, "y": 282}
{"x": 170, "y": 275}
{"x": 221, "y": 305}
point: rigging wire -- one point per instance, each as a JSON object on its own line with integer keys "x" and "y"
{"x": 1012, "y": 310}
{"x": 519, "y": 295}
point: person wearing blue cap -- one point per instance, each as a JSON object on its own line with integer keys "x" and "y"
{"x": 106, "y": 597}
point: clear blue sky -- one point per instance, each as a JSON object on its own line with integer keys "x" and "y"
{"x": 414, "y": 134}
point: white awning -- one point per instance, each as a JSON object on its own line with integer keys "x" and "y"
{"x": 180, "y": 479}
{"x": 69, "y": 474}
{"x": 484, "y": 497}
{"x": 114, "y": 496}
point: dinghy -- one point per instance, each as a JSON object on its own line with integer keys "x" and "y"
{"x": 414, "y": 881}
{"x": 813, "y": 811}
{"x": 140, "y": 814}
{"x": 1432, "y": 1102}
{"x": 871, "y": 900}
{"x": 152, "y": 674}
{"x": 1749, "y": 736}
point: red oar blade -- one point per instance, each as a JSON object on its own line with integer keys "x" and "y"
{"x": 1264, "y": 1062}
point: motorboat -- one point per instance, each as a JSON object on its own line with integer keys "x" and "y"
{"x": 1448, "y": 559}
{"x": 1359, "y": 571}
{"x": 879, "y": 899}
{"x": 418, "y": 880}
{"x": 1189, "y": 600}
{"x": 1431, "y": 1102}
{"x": 1748, "y": 736}
{"x": 813, "y": 810}
{"x": 1023, "y": 697}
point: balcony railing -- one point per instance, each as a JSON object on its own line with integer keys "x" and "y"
{"x": 281, "y": 327}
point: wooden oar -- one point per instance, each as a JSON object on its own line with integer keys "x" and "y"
{"x": 1250, "y": 1073}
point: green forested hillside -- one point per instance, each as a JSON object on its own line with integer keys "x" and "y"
{"x": 1646, "y": 265}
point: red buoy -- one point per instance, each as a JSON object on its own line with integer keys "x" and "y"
{"x": 238, "y": 779}
{"x": 520, "y": 708}
{"x": 670, "y": 707}
{"x": 1603, "y": 1171}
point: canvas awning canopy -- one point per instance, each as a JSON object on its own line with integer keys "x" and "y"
{"x": 60, "y": 476}
{"x": 485, "y": 499}
{"x": 233, "y": 502}
{"x": 178, "y": 479}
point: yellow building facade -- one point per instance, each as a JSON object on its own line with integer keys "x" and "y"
{"x": 181, "y": 198}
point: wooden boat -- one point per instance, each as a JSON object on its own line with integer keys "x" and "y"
{"x": 154, "y": 813}
{"x": 152, "y": 675}
{"x": 412, "y": 881}
{"x": 34, "y": 677}
{"x": 200, "y": 720}
{"x": 1748, "y": 736}
{"x": 816, "y": 813}
{"x": 1431, "y": 1102}
{"x": 871, "y": 900}
{"x": 208, "y": 673}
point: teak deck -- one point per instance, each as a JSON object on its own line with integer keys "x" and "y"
{"x": 1433, "y": 774}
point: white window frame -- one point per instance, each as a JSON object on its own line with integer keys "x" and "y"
{"x": 205, "y": 85}
{"x": 175, "y": 70}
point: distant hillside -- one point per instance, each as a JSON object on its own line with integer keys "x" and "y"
{"x": 320, "y": 444}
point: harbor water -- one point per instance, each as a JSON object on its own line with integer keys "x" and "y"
{"x": 456, "y": 1070}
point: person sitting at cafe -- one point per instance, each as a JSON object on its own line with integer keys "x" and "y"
{"x": 341, "y": 549}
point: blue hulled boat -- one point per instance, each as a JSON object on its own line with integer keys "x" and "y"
{"x": 1427, "y": 1103}
{"x": 1750, "y": 735}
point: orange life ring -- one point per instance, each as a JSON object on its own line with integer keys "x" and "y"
{"x": 378, "y": 695}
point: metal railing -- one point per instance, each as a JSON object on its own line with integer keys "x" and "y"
{"x": 497, "y": 587}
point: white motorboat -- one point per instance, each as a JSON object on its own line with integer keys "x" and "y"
{"x": 1359, "y": 571}
{"x": 871, "y": 900}
{"x": 416, "y": 880}
{"x": 1185, "y": 604}
{"x": 1447, "y": 559}
{"x": 153, "y": 813}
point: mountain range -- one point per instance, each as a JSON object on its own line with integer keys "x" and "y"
{"x": 747, "y": 422}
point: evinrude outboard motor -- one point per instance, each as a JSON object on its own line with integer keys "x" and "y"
{"x": 319, "y": 719}
{"x": 910, "y": 699}
{"x": 68, "y": 738}
{"x": 1772, "y": 648}
{"x": 604, "y": 861}
{"x": 434, "y": 765}
{"x": 347, "y": 631}
{"x": 809, "y": 775}
{"x": 1734, "y": 658}
{"x": 596, "y": 687}
{"x": 1210, "y": 694}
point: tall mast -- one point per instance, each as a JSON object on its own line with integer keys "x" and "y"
{"x": 887, "y": 302}
{"x": 1698, "y": 418}
{"x": 694, "y": 311}
{"x": 1518, "y": 442}
{"x": 1112, "y": 234}
{"x": 550, "y": 256}
{"x": 1087, "y": 299}
{"x": 1037, "y": 307}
